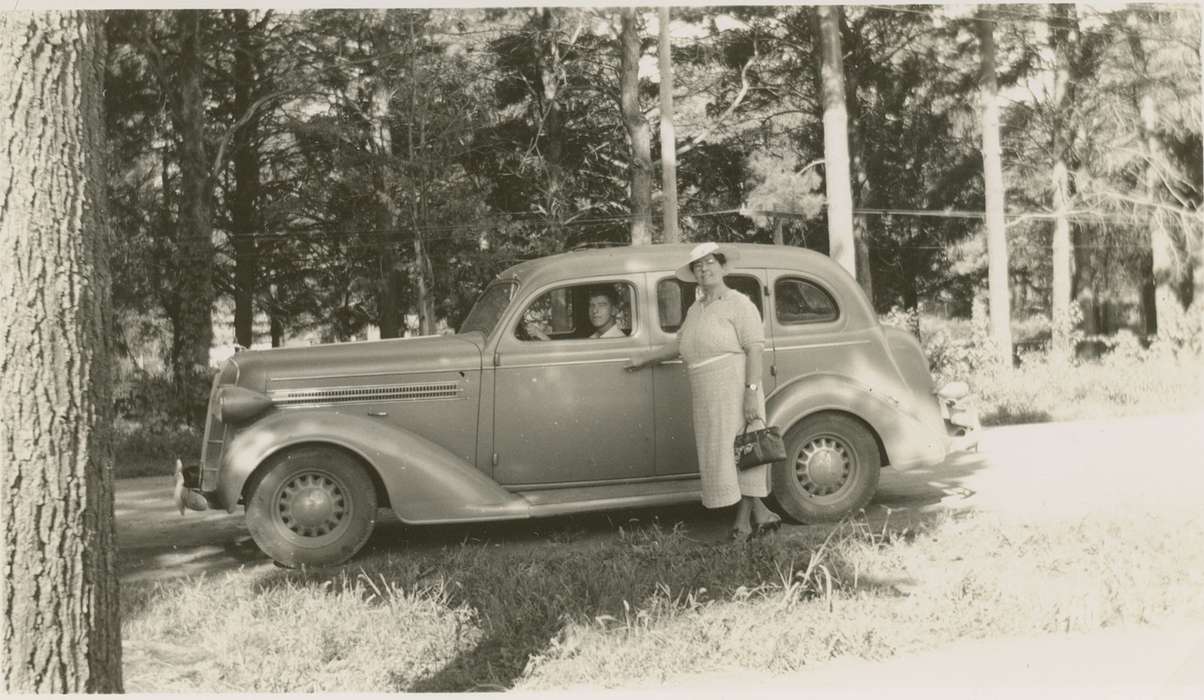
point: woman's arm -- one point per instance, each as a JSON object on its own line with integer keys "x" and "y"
{"x": 643, "y": 359}
{"x": 752, "y": 375}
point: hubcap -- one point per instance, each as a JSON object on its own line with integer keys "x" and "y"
{"x": 312, "y": 504}
{"x": 824, "y": 466}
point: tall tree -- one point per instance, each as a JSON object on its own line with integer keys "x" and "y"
{"x": 638, "y": 134}
{"x": 664, "y": 56}
{"x": 61, "y": 629}
{"x": 245, "y": 216}
{"x": 194, "y": 332}
{"x": 1164, "y": 267}
{"x": 1063, "y": 37}
{"x": 836, "y": 141}
{"x": 999, "y": 307}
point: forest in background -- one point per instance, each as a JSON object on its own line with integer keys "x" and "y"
{"x": 325, "y": 172}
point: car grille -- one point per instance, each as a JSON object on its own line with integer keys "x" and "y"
{"x": 425, "y": 391}
{"x": 211, "y": 448}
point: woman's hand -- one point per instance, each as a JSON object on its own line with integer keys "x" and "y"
{"x": 752, "y": 405}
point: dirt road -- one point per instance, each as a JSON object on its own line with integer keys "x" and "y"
{"x": 1029, "y": 471}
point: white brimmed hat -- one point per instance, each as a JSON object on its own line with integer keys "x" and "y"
{"x": 685, "y": 274}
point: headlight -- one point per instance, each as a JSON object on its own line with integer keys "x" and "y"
{"x": 237, "y": 405}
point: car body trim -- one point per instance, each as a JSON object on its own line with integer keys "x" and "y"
{"x": 519, "y": 488}
{"x": 565, "y": 364}
{"x": 419, "y": 391}
{"x": 361, "y": 375}
{"x": 822, "y": 345}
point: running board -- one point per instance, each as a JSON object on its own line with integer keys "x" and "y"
{"x": 551, "y": 502}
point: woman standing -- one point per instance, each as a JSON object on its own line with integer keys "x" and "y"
{"x": 721, "y": 342}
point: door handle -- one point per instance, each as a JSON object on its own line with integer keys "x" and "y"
{"x": 378, "y": 414}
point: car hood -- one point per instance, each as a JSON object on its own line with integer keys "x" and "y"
{"x": 257, "y": 369}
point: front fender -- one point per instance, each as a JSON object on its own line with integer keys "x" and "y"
{"x": 906, "y": 440}
{"x": 425, "y": 482}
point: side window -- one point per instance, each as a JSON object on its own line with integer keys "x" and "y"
{"x": 801, "y": 301}
{"x": 674, "y": 297}
{"x": 579, "y": 312}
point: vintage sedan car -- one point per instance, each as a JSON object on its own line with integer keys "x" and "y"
{"x": 494, "y": 423}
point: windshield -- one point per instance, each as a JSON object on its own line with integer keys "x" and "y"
{"x": 489, "y": 308}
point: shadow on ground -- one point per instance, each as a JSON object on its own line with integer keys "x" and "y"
{"x": 527, "y": 581}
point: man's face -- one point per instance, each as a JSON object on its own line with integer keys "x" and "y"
{"x": 600, "y": 311}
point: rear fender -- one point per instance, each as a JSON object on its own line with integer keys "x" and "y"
{"x": 905, "y": 440}
{"x": 425, "y": 482}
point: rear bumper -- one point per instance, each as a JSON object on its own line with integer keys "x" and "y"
{"x": 962, "y": 424}
{"x": 187, "y": 494}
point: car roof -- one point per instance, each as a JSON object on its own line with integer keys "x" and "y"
{"x": 666, "y": 257}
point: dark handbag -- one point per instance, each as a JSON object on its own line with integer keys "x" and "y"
{"x": 757, "y": 447}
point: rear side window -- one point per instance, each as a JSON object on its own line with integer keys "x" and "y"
{"x": 674, "y": 297}
{"x": 802, "y": 301}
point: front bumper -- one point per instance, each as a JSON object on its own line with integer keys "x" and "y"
{"x": 187, "y": 494}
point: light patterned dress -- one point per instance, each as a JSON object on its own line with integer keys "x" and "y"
{"x": 713, "y": 342}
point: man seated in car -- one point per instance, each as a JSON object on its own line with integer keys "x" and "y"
{"x": 603, "y": 303}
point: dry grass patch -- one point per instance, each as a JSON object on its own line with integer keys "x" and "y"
{"x": 236, "y": 633}
{"x": 653, "y": 604}
{"x": 967, "y": 577}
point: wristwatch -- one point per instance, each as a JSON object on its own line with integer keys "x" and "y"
{"x": 751, "y": 386}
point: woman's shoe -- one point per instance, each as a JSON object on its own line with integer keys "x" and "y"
{"x": 738, "y": 535}
{"x": 767, "y": 527}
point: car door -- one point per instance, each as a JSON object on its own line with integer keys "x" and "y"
{"x": 675, "y": 450}
{"x": 565, "y": 409}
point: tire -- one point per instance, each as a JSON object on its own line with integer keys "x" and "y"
{"x": 831, "y": 468}
{"x": 312, "y": 506}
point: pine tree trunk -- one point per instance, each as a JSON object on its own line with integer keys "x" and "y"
{"x": 841, "y": 246}
{"x": 387, "y": 211}
{"x": 992, "y": 161}
{"x": 244, "y": 212}
{"x": 664, "y": 56}
{"x": 1198, "y": 271}
{"x": 638, "y": 133}
{"x": 862, "y": 189}
{"x": 194, "y": 334}
{"x": 61, "y": 625}
{"x": 1062, "y": 252}
{"x": 550, "y": 74}
{"x": 422, "y": 262}
{"x": 1162, "y": 271}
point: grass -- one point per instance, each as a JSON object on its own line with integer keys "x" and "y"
{"x": 654, "y": 604}
{"x": 1041, "y": 390}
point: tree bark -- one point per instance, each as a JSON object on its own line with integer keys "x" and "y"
{"x": 384, "y": 181}
{"x": 61, "y": 624}
{"x": 425, "y": 275}
{"x": 1063, "y": 39}
{"x": 664, "y": 56}
{"x": 638, "y": 133}
{"x": 994, "y": 191}
{"x": 244, "y": 213}
{"x": 551, "y": 73}
{"x": 1163, "y": 271}
{"x": 194, "y": 334}
{"x": 860, "y": 177}
{"x": 841, "y": 246}
{"x": 1198, "y": 296}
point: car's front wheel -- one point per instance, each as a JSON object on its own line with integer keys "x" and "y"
{"x": 831, "y": 468}
{"x": 312, "y": 506}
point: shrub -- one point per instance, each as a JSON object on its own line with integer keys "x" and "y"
{"x": 143, "y": 451}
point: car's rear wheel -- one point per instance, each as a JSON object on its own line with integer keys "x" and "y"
{"x": 831, "y": 468}
{"x": 313, "y": 506}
